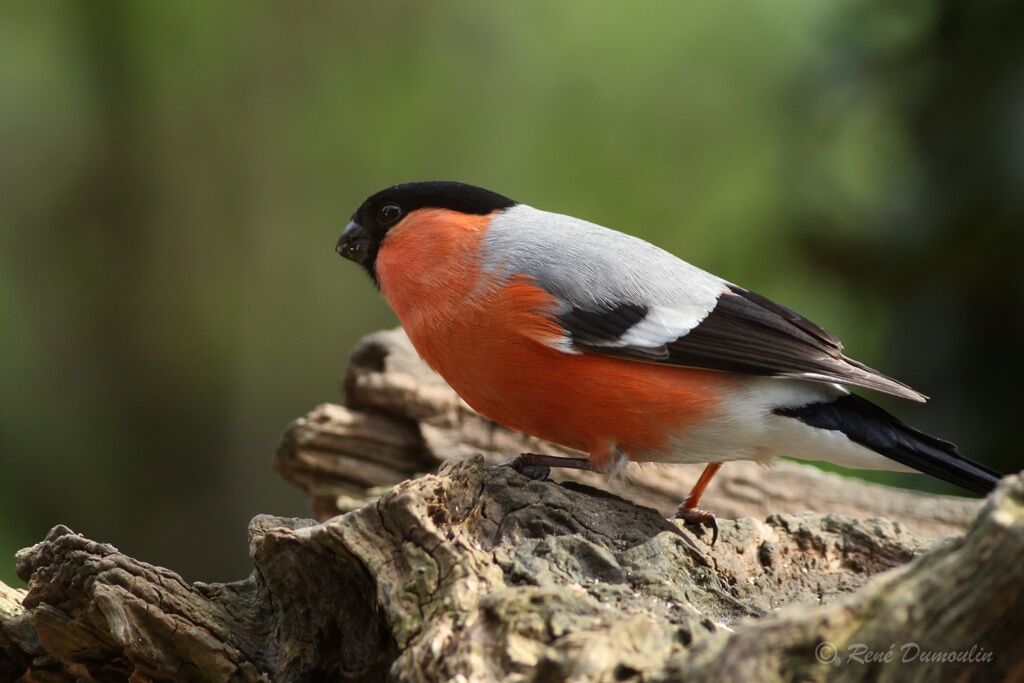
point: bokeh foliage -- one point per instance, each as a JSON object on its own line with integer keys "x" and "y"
{"x": 173, "y": 177}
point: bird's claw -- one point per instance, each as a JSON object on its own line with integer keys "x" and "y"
{"x": 528, "y": 469}
{"x": 700, "y": 518}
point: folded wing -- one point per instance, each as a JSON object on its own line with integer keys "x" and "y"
{"x": 621, "y": 296}
{"x": 744, "y": 333}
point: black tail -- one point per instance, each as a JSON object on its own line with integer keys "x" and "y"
{"x": 868, "y": 425}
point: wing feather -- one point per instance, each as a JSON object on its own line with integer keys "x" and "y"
{"x": 749, "y": 334}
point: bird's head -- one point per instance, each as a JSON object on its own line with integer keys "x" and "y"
{"x": 383, "y": 211}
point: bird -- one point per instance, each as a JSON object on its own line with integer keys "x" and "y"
{"x": 601, "y": 342}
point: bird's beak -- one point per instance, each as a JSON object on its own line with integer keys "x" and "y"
{"x": 354, "y": 243}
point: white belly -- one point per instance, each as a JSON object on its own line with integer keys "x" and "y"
{"x": 749, "y": 429}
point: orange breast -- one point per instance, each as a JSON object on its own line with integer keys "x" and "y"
{"x": 493, "y": 345}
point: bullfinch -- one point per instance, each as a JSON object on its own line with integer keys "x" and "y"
{"x": 604, "y": 343}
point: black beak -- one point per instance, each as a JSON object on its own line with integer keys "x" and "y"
{"x": 354, "y": 243}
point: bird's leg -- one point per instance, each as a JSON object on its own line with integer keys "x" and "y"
{"x": 538, "y": 467}
{"x": 690, "y": 513}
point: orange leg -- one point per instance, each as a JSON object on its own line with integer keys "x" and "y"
{"x": 689, "y": 511}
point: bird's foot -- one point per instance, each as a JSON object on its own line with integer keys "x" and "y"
{"x": 700, "y": 518}
{"x": 537, "y": 466}
{"x": 524, "y": 465}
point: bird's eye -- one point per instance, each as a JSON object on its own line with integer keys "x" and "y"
{"x": 389, "y": 214}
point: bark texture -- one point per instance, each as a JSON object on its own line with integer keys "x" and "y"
{"x": 476, "y": 573}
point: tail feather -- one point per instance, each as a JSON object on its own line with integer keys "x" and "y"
{"x": 868, "y": 425}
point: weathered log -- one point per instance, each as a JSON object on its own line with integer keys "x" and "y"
{"x": 476, "y": 573}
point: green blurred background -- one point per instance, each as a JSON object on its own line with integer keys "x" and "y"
{"x": 173, "y": 177}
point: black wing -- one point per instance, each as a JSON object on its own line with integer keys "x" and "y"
{"x": 744, "y": 333}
